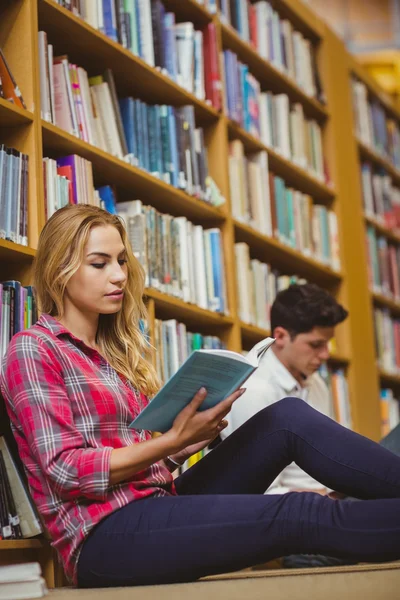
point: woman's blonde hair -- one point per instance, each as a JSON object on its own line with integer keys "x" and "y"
{"x": 58, "y": 257}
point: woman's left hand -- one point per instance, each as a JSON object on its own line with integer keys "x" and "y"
{"x": 187, "y": 452}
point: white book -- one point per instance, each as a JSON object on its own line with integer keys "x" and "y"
{"x": 99, "y": 133}
{"x": 63, "y": 115}
{"x": 182, "y": 224}
{"x": 45, "y": 109}
{"x": 30, "y": 526}
{"x": 108, "y": 120}
{"x": 282, "y": 113}
{"x": 146, "y": 32}
{"x": 200, "y": 269}
{"x": 20, "y": 590}
{"x": 242, "y": 256}
{"x": 184, "y": 37}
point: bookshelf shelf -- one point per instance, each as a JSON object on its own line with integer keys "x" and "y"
{"x": 11, "y": 115}
{"x": 132, "y": 181}
{"x": 285, "y": 258}
{"x": 95, "y": 51}
{"x": 269, "y": 76}
{"x": 28, "y": 544}
{"x": 169, "y": 307}
{"x": 15, "y": 252}
{"x": 281, "y": 166}
{"x": 369, "y": 154}
{"x": 389, "y": 378}
{"x": 392, "y": 236}
{"x": 251, "y": 334}
{"x": 338, "y": 359}
{"x": 189, "y": 11}
{"x": 381, "y": 300}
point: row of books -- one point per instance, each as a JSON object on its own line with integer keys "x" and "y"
{"x": 389, "y": 409}
{"x": 257, "y": 285}
{"x": 14, "y": 167}
{"x": 273, "y": 119}
{"x": 148, "y": 30}
{"x": 179, "y": 258}
{"x": 163, "y": 140}
{"x": 374, "y": 127}
{"x": 265, "y": 202}
{"x": 383, "y": 265}
{"x": 17, "y": 311}
{"x": 387, "y": 338}
{"x": 276, "y": 40}
{"x": 18, "y": 517}
{"x": 174, "y": 344}
{"x": 339, "y": 393}
{"x": 380, "y": 197}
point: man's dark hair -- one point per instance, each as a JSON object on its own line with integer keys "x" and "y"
{"x": 300, "y": 308}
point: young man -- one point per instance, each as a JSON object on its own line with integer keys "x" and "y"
{"x": 303, "y": 320}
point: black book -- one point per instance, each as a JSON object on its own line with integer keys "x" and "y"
{"x": 13, "y": 517}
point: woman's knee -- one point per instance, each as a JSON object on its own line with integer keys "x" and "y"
{"x": 285, "y": 410}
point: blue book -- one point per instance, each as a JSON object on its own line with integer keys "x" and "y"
{"x": 221, "y": 372}
{"x": 127, "y": 108}
{"x": 107, "y": 199}
{"x": 110, "y": 20}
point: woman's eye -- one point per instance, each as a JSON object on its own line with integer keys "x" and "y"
{"x": 98, "y": 265}
{"x": 122, "y": 261}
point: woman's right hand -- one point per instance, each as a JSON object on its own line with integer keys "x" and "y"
{"x": 192, "y": 426}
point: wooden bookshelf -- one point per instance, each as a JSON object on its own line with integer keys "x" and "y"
{"x": 25, "y": 130}
{"x": 371, "y": 155}
{"x": 386, "y": 302}
{"x": 389, "y": 379}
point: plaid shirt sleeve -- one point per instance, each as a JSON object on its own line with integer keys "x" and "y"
{"x": 41, "y": 410}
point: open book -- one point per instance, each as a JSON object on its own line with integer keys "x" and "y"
{"x": 221, "y": 372}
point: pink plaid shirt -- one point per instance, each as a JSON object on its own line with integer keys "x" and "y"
{"x": 68, "y": 409}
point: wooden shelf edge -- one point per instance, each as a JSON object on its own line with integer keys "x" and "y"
{"x": 314, "y": 186}
{"x": 35, "y": 543}
{"x": 194, "y": 207}
{"x": 382, "y": 229}
{"x": 186, "y": 309}
{"x": 254, "y": 237}
{"x": 361, "y": 73}
{"x": 263, "y": 67}
{"x": 13, "y": 114}
{"x": 185, "y": 96}
{"x": 339, "y": 359}
{"x": 11, "y": 247}
{"x": 250, "y": 330}
{"x": 370, "y": 154}
{"x": 390, "y": 378}
{"x": 383, "y": 301}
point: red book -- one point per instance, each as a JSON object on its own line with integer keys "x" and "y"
{"x": 67, "y": 172}
{"x": 253, "y": 25}
{"x": 212, "y": 74}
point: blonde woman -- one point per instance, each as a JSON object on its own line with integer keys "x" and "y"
{"x": 75, "y": 380}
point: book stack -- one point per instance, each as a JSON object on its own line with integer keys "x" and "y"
{"x": 148, "y": 30}
{"x": 175, "y": 343}
{"x": 68, "y": 180}
{"x": 376, "y": 129}
{"x": 387, "y": 337}
{"x": 179, "y": 258}
{"x": 21, "y": 581}
{"x": 13, "y": 195}
{"x": 383, "y": 265}
{"x": 257, "y": 286}
{"x": 339, "y": 393}
{"x": 380, "y": 197}
{"x": 276, "y": 40}
{"x": 17, "y": 512}
{"x": 389, "y": 408}
{"x": 17, "y": 311}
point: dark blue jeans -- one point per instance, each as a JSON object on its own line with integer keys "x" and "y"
{"x": 221, "y": 521}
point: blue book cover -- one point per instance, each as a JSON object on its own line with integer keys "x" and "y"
{"x": 173, "y": 140}
{"x": 109, "y": 19}
{"x": 215, "y": 241}
{"x": 221, "y": 372}
{"x": 18, "y": 325}
{"x": 145, "y": 138}
{"x": 127, "y": 108}
{"x": 107, "y": 199}
{"x": 171, "y": 63}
